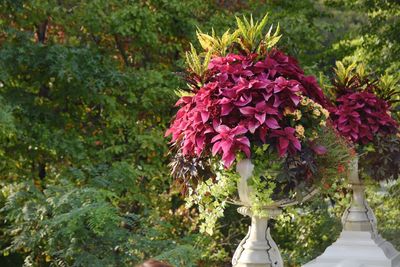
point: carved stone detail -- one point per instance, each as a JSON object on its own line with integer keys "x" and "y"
{"x": 359, "y": 216}
{"x": 257, "y": 249}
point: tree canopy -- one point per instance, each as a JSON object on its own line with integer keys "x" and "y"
{"x": 87, "y": 90}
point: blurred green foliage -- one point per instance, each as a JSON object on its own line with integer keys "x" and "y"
{"x": 86, "y": 92}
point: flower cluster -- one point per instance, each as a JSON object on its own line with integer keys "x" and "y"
{"x": 359, "y": 116}
{"x": 247, "y": 99}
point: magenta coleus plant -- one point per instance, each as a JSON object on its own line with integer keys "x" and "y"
{"x": 361, "y": 109}
{"x": 360, "y": 116}
{"x": 245, "y": 100}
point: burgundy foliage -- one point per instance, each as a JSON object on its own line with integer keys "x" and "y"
{"x": 243, "y": 101}
{"x": 361, "y": 115}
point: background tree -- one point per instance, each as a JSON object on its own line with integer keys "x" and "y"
{"x": 86, "y": 90}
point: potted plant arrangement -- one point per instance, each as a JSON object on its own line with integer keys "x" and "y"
{"x": 362, "y": 113}
{"x": 251, "y": 129}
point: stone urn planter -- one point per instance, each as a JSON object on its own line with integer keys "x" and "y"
{"x": 258, "y": 249}
{"x": 248, "y": 99}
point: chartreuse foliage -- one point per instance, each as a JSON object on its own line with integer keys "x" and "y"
{"x": 252, "y": 34}
{"x": 85, "y": 94}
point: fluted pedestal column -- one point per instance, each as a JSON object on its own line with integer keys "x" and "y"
{"x": 257, "y": 249}
{"x": 359, "y": 216}
{"x": 359, "y": 244}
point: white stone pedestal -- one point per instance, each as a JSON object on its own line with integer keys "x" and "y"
{"x": 257, "y": 249}
{"x": 358, "y": 249}
{"x": 359, "y": 244}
